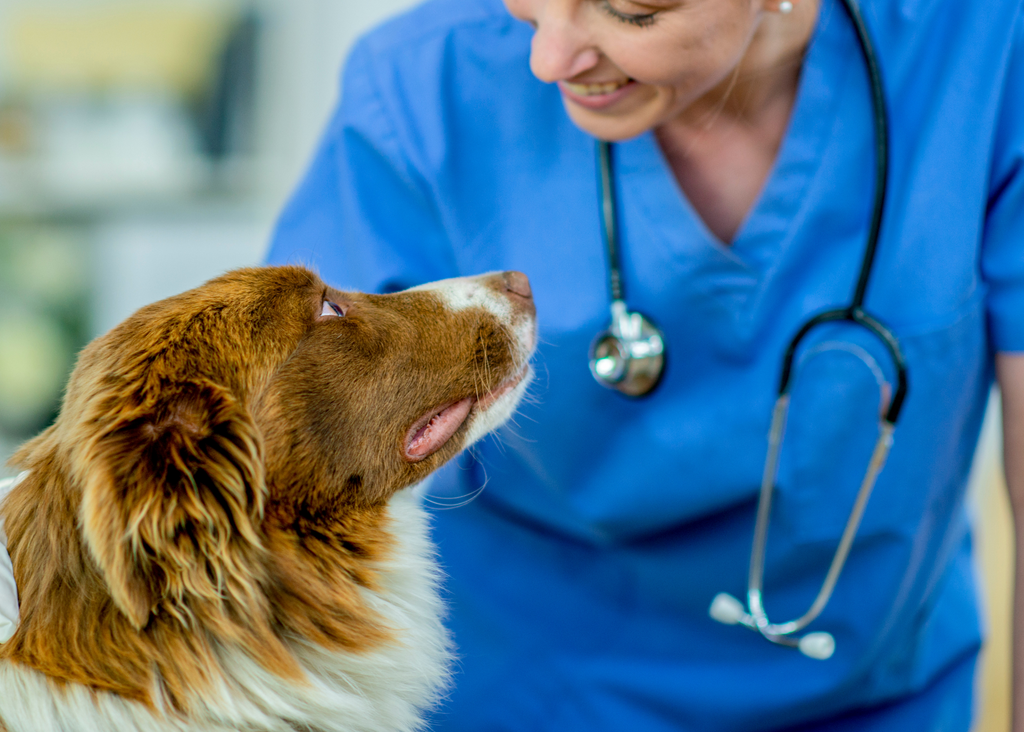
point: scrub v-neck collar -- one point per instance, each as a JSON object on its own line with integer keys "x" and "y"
{"x": 660, "y": 215}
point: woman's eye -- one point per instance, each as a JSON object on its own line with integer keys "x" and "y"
{"x": 331, "y": 309}
{"x": 638, "y": 19}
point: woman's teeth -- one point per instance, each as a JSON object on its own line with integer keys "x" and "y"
{"x": 591, "y": 90}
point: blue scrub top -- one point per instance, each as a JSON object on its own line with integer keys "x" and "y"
{"x": 580, "y": 579}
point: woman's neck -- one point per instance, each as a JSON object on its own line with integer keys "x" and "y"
{"x": 767, "y": 74}
{"x": 721, "y": 149}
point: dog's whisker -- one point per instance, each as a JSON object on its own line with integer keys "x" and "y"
{"x": 527, "y": 417}
{"x": 447, "y": 503}
{"x": 499, "y": 444}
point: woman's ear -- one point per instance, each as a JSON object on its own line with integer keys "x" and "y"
{"x": 173, "y": 494}
{"x": 783, "y": 7}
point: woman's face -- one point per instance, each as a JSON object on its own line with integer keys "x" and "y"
{"x": 627, "y": 66}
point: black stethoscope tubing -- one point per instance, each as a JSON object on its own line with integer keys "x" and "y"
{"x": 609, "y": 220}
{"x": 852, "y": 313}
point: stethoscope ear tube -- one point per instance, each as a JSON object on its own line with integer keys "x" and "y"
{"x": 727, "y": 609}
{"x": 757, "y": 557}
{"x": 856, "y": 316}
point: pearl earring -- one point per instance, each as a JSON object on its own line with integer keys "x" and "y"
{"x": 785, "y": 7}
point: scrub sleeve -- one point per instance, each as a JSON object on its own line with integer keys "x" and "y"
{"x": 1002, "y": 261}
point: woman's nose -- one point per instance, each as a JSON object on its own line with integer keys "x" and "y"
{"x": 561, "y": 48}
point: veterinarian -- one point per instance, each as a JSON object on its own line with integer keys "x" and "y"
{"x": 742, "y": 176}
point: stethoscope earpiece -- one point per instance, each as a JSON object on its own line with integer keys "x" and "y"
{"x": 819, "y": 645}
{"x": 727, "y": 610}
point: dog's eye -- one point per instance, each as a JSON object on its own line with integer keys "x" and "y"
{"x": 331, "y": 309}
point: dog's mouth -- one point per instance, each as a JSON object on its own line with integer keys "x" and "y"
{"x": 430, "y": 432}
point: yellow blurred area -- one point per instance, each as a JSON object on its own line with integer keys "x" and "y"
{"x": 994, "y": 545}
{"x": 123, "y": 46}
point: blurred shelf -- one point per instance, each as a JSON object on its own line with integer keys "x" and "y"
{"x": 30, "y": 189}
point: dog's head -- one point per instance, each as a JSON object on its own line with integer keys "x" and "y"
{"x": 265, "y": 387}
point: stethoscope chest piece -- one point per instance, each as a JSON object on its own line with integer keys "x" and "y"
{"x": 630, "y": 356}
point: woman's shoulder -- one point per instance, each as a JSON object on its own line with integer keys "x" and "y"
{"x": 449, "y": 73}
{"x": 447, "y": 52}
{"x": 922, "y": 8}
{"x": 931, "y": 47}
{"x": 922, "y": 18}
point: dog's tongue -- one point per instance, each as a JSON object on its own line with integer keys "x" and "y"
{"x": 433, "y": 430}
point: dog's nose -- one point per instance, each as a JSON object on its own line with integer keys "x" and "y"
{"x": 518, "y": 284}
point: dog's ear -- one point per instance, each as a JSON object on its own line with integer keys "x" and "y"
{"x": 173, "y": 492}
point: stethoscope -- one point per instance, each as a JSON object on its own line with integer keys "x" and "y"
{"x": 630, "y": 357}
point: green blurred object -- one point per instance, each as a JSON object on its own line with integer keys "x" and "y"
{"x": 43, "y": 322}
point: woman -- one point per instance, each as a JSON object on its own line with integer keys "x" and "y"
{"x": 580, "y": 579}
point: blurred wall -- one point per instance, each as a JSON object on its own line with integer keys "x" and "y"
{"x": 145, "y": 146}
{"x": 994, "y": 546}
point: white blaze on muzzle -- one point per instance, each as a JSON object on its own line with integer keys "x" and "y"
{"x": 477, "y": 291}
{"x": 8, "y": 588}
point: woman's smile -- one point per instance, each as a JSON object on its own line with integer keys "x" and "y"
{"x": 596, "y": 95}
{"x": 625, "y": 66}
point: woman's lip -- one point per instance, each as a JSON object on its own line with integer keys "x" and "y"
{"x": 596, "y": 101}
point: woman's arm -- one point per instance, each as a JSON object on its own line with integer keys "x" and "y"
{"x": 1010, "y": 372}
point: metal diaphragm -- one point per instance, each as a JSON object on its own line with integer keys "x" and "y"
{"x": 630, "y": 356}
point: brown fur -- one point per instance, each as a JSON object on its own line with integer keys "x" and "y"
{"x": 218, "y": 476}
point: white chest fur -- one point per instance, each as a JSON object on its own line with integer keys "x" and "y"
{"x": 379, "y": 691}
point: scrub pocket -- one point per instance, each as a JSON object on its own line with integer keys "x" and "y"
{"x": 840, "y": 383}
{"x": 833, "y": 426}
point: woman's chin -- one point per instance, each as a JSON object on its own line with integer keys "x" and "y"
{"x": 612, "y": 125}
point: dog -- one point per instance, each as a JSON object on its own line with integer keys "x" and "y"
{"x": 216, "y": 532}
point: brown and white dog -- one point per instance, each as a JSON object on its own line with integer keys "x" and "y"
{"x": 214, "y": 536}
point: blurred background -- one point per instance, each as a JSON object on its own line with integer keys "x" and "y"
{"x": 148, "y": 145}
{"x": 145, "y": 146}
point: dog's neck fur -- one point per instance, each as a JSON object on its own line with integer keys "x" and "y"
{"x": 380, "y": 689}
